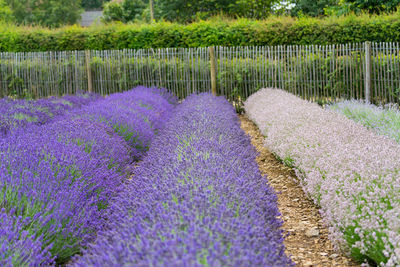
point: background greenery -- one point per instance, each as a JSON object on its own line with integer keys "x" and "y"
{"x": 55, "y": 13}
{"x": 241, "y": 32}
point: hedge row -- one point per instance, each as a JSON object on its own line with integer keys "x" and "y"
{"x": 242, "y": 32}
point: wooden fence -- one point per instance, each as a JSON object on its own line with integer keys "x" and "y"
{"x": 315, "y": 72}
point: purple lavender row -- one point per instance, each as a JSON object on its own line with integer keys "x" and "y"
{"x": 19, "y": 113}
{"x": 134, "y": 115}
{"x": 56, "y": 180}
{"x": 197, "y": 199}
{"x": 351, "y": 172}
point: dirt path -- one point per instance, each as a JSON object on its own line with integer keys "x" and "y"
{"x": 308, "y": 242}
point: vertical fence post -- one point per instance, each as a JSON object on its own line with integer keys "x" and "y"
{"x": 213, "y": 71}
{"x": 88, "y": 70}
{"x": 151, "y": 11}
{"x": 367, "y": 71}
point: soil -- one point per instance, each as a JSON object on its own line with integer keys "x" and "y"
{"x": 307, "y": 240}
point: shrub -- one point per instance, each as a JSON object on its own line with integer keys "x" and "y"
{"x": 17, "y": 246}
{"x": 18, "y": 114}
{"x": 55, "y": 186}
{"x": 197, "y": 198}
{"x": 242, "y": 32}
{"x": 136, "y": 115}
{"x": 351, "y": 172}
{"x": 382, "y": 120}
{"x": 56, "y": 179}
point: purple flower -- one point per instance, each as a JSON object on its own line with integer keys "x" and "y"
{"x": 197, "y": 198}
{"x": 58, "y": 175}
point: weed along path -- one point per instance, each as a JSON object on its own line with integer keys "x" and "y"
{"x": 307, "y": 241}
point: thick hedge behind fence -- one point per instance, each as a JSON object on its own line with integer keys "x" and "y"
{"x": 319, "y": 73}
{"x": 242, "y": 32}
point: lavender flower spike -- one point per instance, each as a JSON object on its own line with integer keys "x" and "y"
{"x": 350, "y": 171}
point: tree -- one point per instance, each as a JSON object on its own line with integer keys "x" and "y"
{"x": 373, "y": 6}
{"x": 189, "y": 10}
{"x": 6, "y": 14}
{"x": 357, "y": 6}
{"x": 93, "y": 4}
{"x": 186, "y": 10}
{"x": 51, "y": 13}
{"x": 256, "y": 9}
{"x": 312, "y": 8}
{"x": 124, "y": 11}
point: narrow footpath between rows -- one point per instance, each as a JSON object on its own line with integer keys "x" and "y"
{"x": 307, "y": 241}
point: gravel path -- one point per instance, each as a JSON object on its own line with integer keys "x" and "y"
{"x": 307, "y": 241}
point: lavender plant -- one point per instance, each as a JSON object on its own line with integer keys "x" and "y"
{"x": 57, "y": 177}
{"x": 17, "y": 245}
{"x": 18, "y": 113}
{"x": 95, "y": 138}
{"x": 136, "y": 115}
{"x": 382, "y": 120}
{"x": 58, "y": 187}
{"x": 350, "y": 172}
{"x": 196, "y": 199}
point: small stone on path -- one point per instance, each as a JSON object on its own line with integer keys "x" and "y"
{"x": 313, "y": 232}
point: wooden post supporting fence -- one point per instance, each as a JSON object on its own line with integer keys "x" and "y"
{"x": 151, "y": 11}
{"x": 367, "y": 46}
{"x": 213, "y": 71}
{"x": 88, "y": 70}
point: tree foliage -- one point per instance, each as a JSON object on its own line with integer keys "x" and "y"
{"x": 51, "y": 13}
{"x": 6, "y": 14}
{"x": 124, "y": 11}
{"x": 188, "y": 10}
{"x": 373, "y": 6}
{"x": 311, "y": 8}
{"x": 256, "y": 9}
{"x": 342, "y": 7}
{"x": 93, "y": 4}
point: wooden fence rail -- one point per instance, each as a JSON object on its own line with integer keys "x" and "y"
{"x": 322, "y": 73}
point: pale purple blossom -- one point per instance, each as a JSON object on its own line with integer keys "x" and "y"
{"x": 351, "y": 172}
{"x": 383, "y": 120}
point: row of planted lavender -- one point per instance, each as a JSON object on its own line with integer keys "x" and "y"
{"x": 384, "y": 120}
{"x": 61, "y": 164}
{"x": 16, "y": 114}
{"x": 351, "y": 172}
{"x": 196, "y": 199}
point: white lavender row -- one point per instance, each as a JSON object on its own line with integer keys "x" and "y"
{"x": 383, "y": 120}
{"x": 351, "y": 172}
{"x": 197, "y": 199}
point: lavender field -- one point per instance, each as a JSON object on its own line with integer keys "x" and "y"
{"x": 133, "y": 178}
{"x": 61, "y": 164}
{"x": 349, "y": 170}
{"x": 137, "y": 178}
{"x": 196, "y": 199}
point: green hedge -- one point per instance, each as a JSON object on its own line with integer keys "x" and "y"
{"x": 242, "y": 32}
